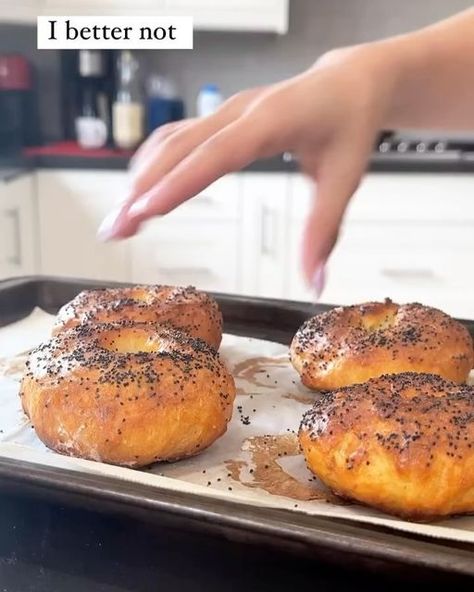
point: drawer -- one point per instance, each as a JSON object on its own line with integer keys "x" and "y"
{"x": 406, "y": 262}
{"x": 384, "y": 197}
{"x": 205, "y": 256}
{"x": 414, "y": 197}
{"x": 220, "y": 201}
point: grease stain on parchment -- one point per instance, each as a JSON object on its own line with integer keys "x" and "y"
{"x": 263, "y": 471}
{"x": 300, "y": 398}
{"x": 252, "y": 370}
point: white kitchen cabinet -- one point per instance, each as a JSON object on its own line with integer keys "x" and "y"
{"x": 405, "y": 236}
{"x": 103, "y": 8}
{"x": 23, "y": 11}
{"x": 198, "y": 244}
{"x": 265, "y": 233}
{"x": 234, "y": 15}
{"x": 71, "y": 205}
{"x": 209, "y": 15}
{"x": 408, "y": 237}
{"x": 18, "y": 228}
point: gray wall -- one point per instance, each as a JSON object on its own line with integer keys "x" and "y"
{"x": 236, "y": 61}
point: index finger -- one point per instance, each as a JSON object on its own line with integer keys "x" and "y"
{"x": 229, "y": 150}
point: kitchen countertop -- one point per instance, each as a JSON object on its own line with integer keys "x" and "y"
{"x": 454, "y": 162}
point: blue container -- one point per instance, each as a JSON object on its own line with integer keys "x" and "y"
{"x": 163, "y": 103}
{"x": 160, "y": 110}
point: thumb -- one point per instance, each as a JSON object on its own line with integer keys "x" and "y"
{"x": 334, "y": 184}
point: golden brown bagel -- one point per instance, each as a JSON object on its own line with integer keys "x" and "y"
{"x": 127, "y": 393}
{"x": 187, "y": 309}
{"x": 348, "y": 345}
{"x": 401, "y": 443}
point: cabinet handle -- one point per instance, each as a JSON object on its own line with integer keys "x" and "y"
{"x": 14, "y": 216}
{"x": 409, "y": 274}
{"x": 267, "y": 231}
{"x": 179, "y": 271}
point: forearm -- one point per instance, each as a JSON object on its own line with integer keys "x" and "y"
{"x": 425, "y": 79}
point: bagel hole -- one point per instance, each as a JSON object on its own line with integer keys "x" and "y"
{"x": 130, "y": 342}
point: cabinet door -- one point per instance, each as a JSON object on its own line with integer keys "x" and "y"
{"x": 264, "y": 240}
{"x": 18, "y": 236}
{"x": 72, "y": 204}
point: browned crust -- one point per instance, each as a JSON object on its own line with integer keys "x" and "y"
{"x": 401, "y": 443}
{"x": 187, "y": 309}
{"x": 349, "y": 345}
{"x": 170, "y": 400}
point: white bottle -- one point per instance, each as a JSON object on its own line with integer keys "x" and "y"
{"x": 208, "y": 101}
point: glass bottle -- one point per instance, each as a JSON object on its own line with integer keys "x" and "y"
{"x": 128, "y": 109}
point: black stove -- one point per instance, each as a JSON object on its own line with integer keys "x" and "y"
{"x": 425, "y": 146}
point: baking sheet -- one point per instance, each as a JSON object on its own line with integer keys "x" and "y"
{"x": 257, "y": 462}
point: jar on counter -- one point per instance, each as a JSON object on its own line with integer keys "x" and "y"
{"x": 163, "y": 102}
{"x": 209, "y": 100}
{"x": 128, "y": 112}
{"x": 91, "y": 127}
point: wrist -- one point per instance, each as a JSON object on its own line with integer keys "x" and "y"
{"x": 374, "y": 70}
{"x": 399, "y": 66}
{"x": 387, "y": 75}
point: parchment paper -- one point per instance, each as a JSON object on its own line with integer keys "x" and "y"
{"x": 256, "y": 462}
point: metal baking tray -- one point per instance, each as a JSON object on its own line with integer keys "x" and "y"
{"x": 329, "y": 540}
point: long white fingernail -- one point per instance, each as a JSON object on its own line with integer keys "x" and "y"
{"x": 319, "y": 279}
{"x": 107, "y": 229}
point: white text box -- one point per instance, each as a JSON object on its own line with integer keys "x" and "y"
{"x": 115, "y": 32}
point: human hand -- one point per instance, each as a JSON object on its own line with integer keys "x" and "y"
{"x": 327, "y": 117}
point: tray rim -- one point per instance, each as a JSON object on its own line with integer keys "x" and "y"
{"x": 361, "y": 541}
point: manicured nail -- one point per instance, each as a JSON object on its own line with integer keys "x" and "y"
{"x": 108, "y": 229}
{"x": 139, "y": 207}
{"x": 319, "y": 279}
